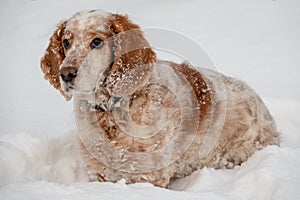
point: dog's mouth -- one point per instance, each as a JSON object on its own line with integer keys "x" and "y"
{"x": 72, "y": 90}
{"x": 96, "y": 99}
{"x": 69, "y": 89}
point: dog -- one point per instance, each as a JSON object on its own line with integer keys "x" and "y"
{"x": 146, "y": 120}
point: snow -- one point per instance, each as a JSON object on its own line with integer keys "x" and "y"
{"x": 256, "y": 41}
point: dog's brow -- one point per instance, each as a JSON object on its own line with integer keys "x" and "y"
{"x": 98, "y": 33}
{"x": 68, "y": 35}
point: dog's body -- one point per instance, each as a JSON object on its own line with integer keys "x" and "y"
{"x": 221, "y": 121}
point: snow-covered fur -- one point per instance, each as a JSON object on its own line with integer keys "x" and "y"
{"x": 145, "y": 120}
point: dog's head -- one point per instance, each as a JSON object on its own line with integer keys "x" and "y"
{"x": 95, "y": 49}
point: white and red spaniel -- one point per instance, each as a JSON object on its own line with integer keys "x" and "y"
{"x": 145, "y": 120}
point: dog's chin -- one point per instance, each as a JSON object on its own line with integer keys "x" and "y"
{"x": 68, "y": 89}
{"x": 96, "y": 97}
{"x": 72, "y": 90}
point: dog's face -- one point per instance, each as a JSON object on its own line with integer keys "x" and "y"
{"x": 96, "y": 49}
{"x": 88, "y": 48}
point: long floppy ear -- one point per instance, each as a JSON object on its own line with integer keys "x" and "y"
{"x": 133, "y": 57}
{"x": 52, "y": 59}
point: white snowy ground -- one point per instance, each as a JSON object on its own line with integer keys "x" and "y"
{"x": 256, "y": 41}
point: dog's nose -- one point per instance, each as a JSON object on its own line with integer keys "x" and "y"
{"x": 68, "y": 74}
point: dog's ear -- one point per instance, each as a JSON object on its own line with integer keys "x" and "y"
{"x": 133, "y": 57}
{"x": 52, "y": 59}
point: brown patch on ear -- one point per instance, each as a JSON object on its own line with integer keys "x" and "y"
{"x": 52, "y": 59}
{"x": 134, "y": 58}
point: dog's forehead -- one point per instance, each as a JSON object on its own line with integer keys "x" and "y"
{"x": 97, "y": 19}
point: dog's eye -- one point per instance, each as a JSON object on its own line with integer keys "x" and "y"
{"x": 96, "y": 43}
{"x": 66, "y": 43}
